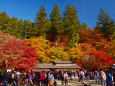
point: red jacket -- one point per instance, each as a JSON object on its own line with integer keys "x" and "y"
{"x": 42, "y": 76}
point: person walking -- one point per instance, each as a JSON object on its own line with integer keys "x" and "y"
{"x": 103, "y": 78}
{"x": 109, "y": 78}
{"x": 97, "y": 77}
{"x": 81, "y": 76}
{"x": 66, "y": 78}
{"x": 62, "y": 78}
{"x": 51, "y": 79}
{"x": 42, "y": 78}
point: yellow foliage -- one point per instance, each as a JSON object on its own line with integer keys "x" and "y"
{"x": 45, "y": 52}
{"x": 58, "y": 54}
{"x": 41, "y": 45}
{"x": 75, "y": 52}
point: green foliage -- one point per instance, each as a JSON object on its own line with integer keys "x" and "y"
{"x": 4, "y": 22}
{"x": 42, "y": 22}
{"x": 18, "y": 28}
{"x": 68, "y": 24}
{"x": 105, "y": 23}
{"x": 55, "y": 21}
{"x": 15, "y": 27}
{"x": 71, "y": 24}
{"x": 28, "y": 29}
{"x": 70, "y": 21}
{"x": 84, "y": 27}
{"x": 113, "y": 32}
{"x": 72, "y": 40}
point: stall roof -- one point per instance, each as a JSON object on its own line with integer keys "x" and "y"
{"x": 51, "y": 66}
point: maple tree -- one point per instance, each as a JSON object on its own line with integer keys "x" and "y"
{"x": 98, "y": 50}
{"x": 95, "y": 60}
{"x": 96, "y": 39}
{"x": 41, "y": 45}
{"x": 91, "y": 37}
{"x": 46, "y": 52}
{"x": 4, "y": 38}
{"x": 18, "y": 55}
{"x": 107, "y": 46}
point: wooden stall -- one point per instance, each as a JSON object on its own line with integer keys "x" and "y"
{"x": 57, "y": 65}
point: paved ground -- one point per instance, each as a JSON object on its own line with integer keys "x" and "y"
{"x": 76, "y": 83}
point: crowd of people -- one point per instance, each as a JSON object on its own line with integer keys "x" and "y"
{"x": 106, "y": 78}
{"x": 49, "y": 78}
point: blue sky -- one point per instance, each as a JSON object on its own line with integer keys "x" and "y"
{"x": 88, "y": 10}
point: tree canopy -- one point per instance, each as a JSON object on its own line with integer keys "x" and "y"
{"x": 16, "y": 54}
{"x": 59, "y": 36}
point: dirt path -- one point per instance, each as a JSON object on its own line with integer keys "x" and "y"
{"x": 76, "y": 83}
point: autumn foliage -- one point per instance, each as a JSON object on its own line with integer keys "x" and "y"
{"x": 41, "y": 46}
{"x": 16, "y": 55}
{"x": 47, "y": 51}
{"x": 95, "y": 60}
{"x": 98, "y": 51}
{"x": 92, "y": 51}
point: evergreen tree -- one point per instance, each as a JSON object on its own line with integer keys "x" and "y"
{"x": 4, "y": 22}
{"x": 21, "y": 21}
{"x": 15, "y": 27}
{"x": 20, "y": 29}
{"x": 42, "y": 22}
{"x": 113, "y": 33}
{"x": 0, "y": 20}
{"x": 28, "y": 29}
{"x": 84, "y": 27}
{"x": 98, "y": 26}
{"x": 71, "y": 24}
{"x": 55, "y": 22}
{"x": 106, "y": 23}
{"x": 70, "y": 20}
{"x": 10, "y": 25}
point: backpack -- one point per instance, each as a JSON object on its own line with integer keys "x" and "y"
{"x": 50, "y": 83}
{"x": 13, "y": 76}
